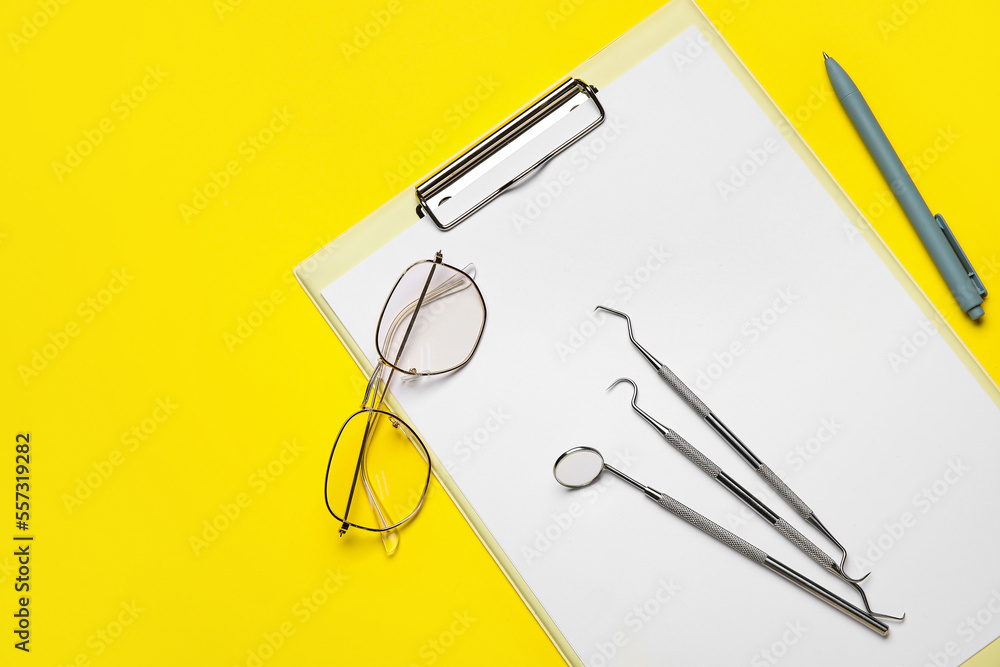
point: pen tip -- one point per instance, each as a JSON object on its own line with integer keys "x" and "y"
{"x": 825, "y": 57}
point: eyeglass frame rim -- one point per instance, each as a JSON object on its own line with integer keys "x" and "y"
{"x": 329, "y": 463}
{"x": 438, "y": 260}
{"x": 438, "y": 257}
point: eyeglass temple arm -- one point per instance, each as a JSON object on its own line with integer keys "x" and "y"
{"x": 390, "y": 538}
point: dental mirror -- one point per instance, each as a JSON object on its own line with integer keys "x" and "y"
{"x": 581, "y": 466}
{"x": 578, "y": 467}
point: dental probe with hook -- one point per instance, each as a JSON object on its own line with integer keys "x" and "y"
{"x": 581, "y": 466}
{"x": 766, "y": 473}
{"x": 803, "y": 543}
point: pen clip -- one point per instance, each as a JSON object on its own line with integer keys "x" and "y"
{"x": 973, "y": 276}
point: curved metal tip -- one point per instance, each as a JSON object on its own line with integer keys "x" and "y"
{"x": 619, "y": 314}
{"x": 864, "y": 598}
{"x": 663, "y": 430}
{"x": 635, "y": 389}
{"x": 825, "y": 57}
{"x": 635, "y": 397}
{"x": 628, "y": 321}
{"x": 814, "y": 520}
{"x": 839, "y": 570}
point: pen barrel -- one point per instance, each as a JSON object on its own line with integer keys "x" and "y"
{"x": 912, "y": 203}
{"x": 826, "y": 596}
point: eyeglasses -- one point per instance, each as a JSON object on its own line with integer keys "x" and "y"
{"x": 379, "y": 468}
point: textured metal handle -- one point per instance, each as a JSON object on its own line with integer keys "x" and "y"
{"x": 692, "y": 454}
{"x": 711, "y": 528}
{"x": 782, "y": 490}
{"x": 683, "y": 391}
{"x": 803, "y": 543}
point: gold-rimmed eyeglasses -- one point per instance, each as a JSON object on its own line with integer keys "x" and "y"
{"x": 379, "y": 468}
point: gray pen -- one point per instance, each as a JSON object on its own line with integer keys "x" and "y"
{"x": 933, "y": 231}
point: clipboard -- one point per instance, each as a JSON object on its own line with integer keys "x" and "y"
{"x": 452, "y": 195}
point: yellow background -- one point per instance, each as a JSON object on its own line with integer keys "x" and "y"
{"x": 173, "y": 330}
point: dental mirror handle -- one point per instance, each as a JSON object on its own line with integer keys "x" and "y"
{"x": 748, "y": 550}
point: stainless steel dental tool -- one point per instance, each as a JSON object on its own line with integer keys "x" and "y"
{"x": 766, "y": 473}
{"x": 788, "y": 531}
{"x": 581, "y": 466}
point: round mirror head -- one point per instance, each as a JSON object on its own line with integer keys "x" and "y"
{"x": 578, "y": 467}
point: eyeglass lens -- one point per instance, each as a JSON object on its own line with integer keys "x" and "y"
{"x": 442, "y": 332}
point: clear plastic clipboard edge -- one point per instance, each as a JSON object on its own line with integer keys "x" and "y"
{"x": 398, "y": 213}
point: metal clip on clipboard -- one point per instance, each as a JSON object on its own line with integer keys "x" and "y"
{"x": 510, "y": 154}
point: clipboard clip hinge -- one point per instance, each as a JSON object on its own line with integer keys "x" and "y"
{"x": 509, "y": 154}
{"x": 966, "y": 264}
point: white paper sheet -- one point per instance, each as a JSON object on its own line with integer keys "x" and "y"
{"x": 688, "y": 210}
